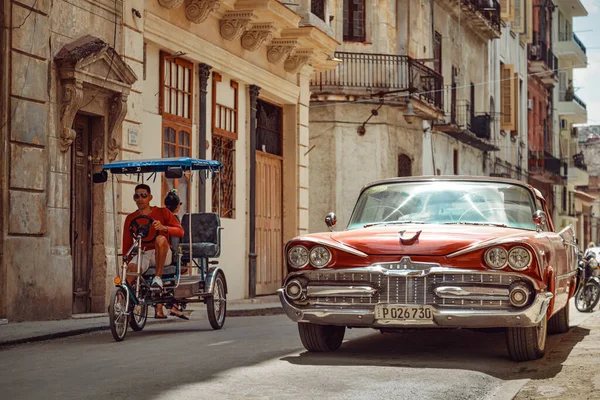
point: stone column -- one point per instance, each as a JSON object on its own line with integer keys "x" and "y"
{"x": 203, "y": 75}
{"x": 253, "y": 95}
{"x": 38, "y": 278}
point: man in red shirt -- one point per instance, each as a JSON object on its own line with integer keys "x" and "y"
{"x": 157, "y": 253}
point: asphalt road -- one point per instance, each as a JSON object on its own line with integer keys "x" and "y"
{"x": 262, "y": 357}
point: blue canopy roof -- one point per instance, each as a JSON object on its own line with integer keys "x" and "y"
{"x": 160, "y": 165}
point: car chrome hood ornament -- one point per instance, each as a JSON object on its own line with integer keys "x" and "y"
{"x": 411, "y": 240}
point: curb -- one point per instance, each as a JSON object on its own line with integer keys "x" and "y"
{"x": 80, "y": 331}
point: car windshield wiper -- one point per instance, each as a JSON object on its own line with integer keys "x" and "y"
{"x": 394, "y": 223}
{"x": 477, "y": 223}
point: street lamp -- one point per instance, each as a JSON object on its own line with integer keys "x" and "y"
{"x": 409, "y": 114}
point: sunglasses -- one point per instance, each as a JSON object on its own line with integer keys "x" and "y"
{"x": 142, "y": 195}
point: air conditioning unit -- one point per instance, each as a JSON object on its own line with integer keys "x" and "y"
{"x": 530, "y": 104}
{"x": 564, "y": 124}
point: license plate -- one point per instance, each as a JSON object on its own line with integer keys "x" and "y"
{"x": 404, "y": 313}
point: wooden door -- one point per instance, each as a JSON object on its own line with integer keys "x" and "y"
{"x": 269, "y": 208}
{"x": 81, "y": 215}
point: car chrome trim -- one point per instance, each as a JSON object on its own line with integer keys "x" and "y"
{"x": 409, "y": 268}
{"x": 471, "y": 293}
{"x": 465, "y": 318}
{"x": 346, "y": 291}
{"x": 334, "y": 245}
{"x": 567, "y": 275}
{"x": 488, "y": 243}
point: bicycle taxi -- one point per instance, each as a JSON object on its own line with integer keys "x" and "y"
{"x": 204, "y": 281}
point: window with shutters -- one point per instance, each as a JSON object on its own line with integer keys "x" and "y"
{"x": 516, "y": 105}
{"x": 354, "y": 20}
{"x": 175, "y": 107}
{"x": 224, "y": 136}
{"x": 507, "y": 97}
{"x": 437, "y": 52}
{"x": 507, "y": 10}
{"x": 517, "y": 25}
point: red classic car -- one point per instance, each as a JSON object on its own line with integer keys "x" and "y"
{"x": 430, "y": 252}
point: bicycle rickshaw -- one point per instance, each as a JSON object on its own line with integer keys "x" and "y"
{"x": 205, "y": 280}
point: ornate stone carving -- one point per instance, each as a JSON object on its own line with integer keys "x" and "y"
{"x": 117, "y": 108}
{"x": 257, "y": 35}
{"x": 279, "y": 49}
{"x": 296, "y": 61}
{"x": 203, "y": 75}
{"x": 234, "y": 24}
{"x": 254, "y": 90}
{"x": 197, "y": 11}
{"x": 170, "y": 4}
{"x": 71, "y": 102}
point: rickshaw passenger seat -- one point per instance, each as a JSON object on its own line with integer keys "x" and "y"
{"x": 206, "y": 235}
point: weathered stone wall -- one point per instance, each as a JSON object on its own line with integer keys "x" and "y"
{"x": 37, "y": 245}
{"x": 342, "y": 161}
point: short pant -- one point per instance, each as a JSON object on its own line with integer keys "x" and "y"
{"x": 149, "y": 259}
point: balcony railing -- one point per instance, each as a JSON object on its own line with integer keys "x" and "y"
{"x": 552, "y": 164}
{"x": 570, "y": 36}
{"x": 540, "y": 51}
{"x": 373, "y": 73}
{"x": 579, "y": 101}
{"x": 490, "y": 9}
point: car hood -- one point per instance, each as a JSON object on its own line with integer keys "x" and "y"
{"x": 434, "y": 240}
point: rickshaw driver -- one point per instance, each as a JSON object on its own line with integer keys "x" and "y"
{"x": 158, "y": 252}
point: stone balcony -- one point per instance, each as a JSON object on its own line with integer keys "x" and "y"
{"x": 482, "y": 16}
{"x": 270, "y": 23}
{"x": 572, "y": 108}
{"x": 570, "y": 47}
{"x": 373, "y": 75}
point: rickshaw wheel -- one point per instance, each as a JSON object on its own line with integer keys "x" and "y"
{"x": 117, "y": 314}
{"x": 216, "y": 305}
{"x": 138, "y": 317}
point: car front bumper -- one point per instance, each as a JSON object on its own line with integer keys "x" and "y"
{"x": 442, "y": 317}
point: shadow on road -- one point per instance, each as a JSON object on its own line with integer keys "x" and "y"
{"x": 447, "y": 349}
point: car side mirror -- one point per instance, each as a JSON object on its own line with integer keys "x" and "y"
{"x": 330, "y": 220}
{"x": 539, "y": 219}
{"x": 173, "y": 172}
{"x": 100, "y": 177}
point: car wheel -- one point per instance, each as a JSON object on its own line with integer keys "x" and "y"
{"x": 321, "y": 338}
{"x": 559, "y": 322}
{"x": 527, "y": 344}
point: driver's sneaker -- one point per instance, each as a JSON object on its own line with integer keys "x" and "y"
{"x": 157, "y": 282}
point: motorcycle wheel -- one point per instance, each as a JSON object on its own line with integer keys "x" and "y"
{"x": 587, "y": 297}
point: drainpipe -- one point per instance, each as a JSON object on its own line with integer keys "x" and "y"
{"x": 203, "y": 74}
{"x": 253, "y": 91}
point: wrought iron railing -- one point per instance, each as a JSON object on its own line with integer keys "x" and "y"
{"x": 570, "y": 36}
{"x": 461, "y": 114}
{"x": 540, "y": 51}
{"x": 552, "y": 164}
{"x": 579, "y": 161}
{"x": 376, "y": 73}
{"x": 490, "y": 9}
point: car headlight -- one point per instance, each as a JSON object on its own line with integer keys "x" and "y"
{"x": 519, "y": 258}
{"x": 496, "y": 257}
{"x": 319, "y": 256}
{"x": 298, "y": 256}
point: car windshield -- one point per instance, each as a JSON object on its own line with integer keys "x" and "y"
{"x": 445, "y": 202}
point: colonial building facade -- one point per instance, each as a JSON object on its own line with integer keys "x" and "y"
{"x": 87, "y": 82}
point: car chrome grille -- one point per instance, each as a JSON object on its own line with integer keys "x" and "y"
{"x": 394, "y": 289}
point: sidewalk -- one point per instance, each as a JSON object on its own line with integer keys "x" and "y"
{"x": 33, "y": 331}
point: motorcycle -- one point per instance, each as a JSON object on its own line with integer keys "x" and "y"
{"x": 588, "y": 282}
